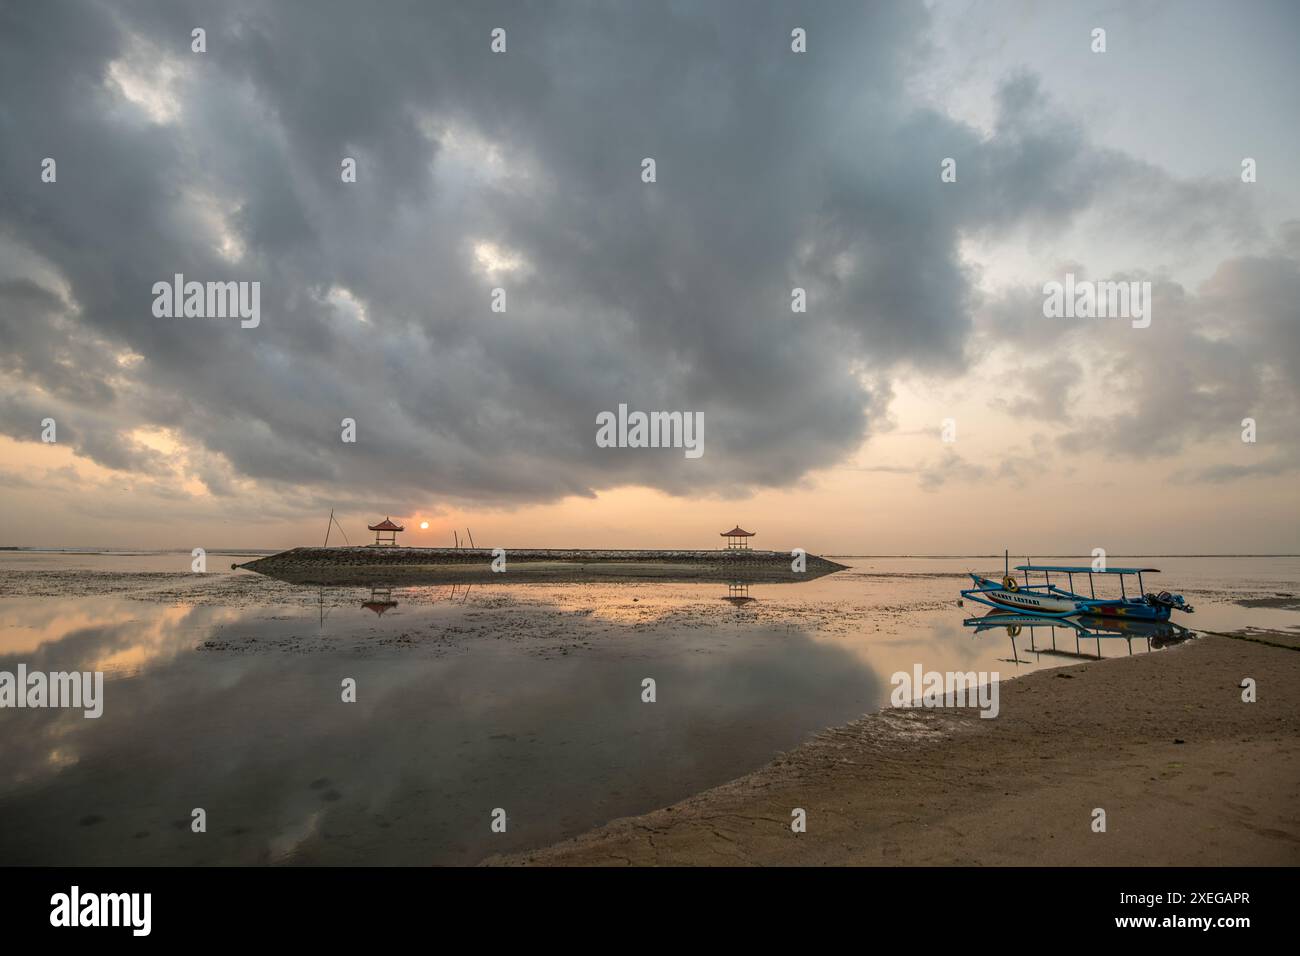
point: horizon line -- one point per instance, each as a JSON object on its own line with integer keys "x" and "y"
{"x": 829, "y": 554}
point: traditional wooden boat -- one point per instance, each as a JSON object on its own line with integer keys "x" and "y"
{"x": 1049, "y": 599}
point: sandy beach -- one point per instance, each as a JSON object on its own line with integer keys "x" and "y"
{"x": 1187, "y": 773}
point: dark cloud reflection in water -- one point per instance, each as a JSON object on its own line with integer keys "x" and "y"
{"x": 254, "y": 732}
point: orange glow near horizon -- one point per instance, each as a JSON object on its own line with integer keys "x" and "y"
{"x": 878, "y": 502}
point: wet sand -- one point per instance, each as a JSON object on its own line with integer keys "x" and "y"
{"x": 1187, "y": 773}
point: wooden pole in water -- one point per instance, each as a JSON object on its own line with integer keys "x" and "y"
{"x": 327, "y": 529}
{"x": 471, "y": 537}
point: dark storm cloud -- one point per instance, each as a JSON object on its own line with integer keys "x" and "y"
{"x": 775, "y": 170}
{"x": 43, "y": 343}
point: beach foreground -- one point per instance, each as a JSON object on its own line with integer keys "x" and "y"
{"x": 1187, "y": 773}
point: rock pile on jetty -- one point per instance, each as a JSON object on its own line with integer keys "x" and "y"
{"x": 447, "y": 565}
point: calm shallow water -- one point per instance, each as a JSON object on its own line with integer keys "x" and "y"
{"x": 223, "y": 692}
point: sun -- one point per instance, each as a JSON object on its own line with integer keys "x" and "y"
{"x": 424, "y": 526}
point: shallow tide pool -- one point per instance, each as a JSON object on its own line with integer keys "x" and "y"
{"x": 223, "y": 692}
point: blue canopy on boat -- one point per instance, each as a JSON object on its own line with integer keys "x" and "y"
{"x": 1083, "y": 569}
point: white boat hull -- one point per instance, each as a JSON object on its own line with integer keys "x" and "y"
{"x": 1029, "y": 601}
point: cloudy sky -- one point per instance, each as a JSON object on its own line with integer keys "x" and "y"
{"x": 775, "y": 169}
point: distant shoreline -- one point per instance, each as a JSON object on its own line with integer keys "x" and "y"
{"x": 1082, "y": 557}
{"x": 23, "y": 549}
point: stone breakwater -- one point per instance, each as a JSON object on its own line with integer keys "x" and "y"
{"x": 370, "y": 565}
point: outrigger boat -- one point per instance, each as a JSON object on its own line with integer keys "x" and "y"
{"x": 1052, "y": 600}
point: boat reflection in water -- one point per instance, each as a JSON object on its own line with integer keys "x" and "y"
{"x": 1044, "y": 639}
